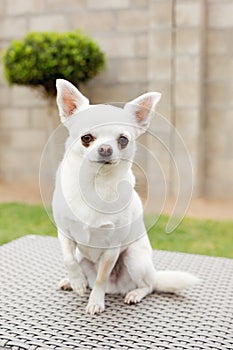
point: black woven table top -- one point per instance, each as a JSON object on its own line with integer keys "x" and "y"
{"x": 35, "y": 314}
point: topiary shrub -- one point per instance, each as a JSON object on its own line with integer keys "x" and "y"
{"x": 40, "y": 58}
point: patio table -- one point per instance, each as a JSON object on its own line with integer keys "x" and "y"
{"x": 35, "y": 314}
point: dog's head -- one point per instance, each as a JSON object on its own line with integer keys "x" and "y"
{"x": 103, "y": 134}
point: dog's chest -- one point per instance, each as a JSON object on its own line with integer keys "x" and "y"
{"x": 107, "y": 192}
{"x": 92, "y": 211}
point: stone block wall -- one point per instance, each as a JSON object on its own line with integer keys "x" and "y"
{"x": 181, "y": 48}
{"x": 219, "y": 105}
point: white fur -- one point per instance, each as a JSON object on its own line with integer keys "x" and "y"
{"x": 107, "y": 251}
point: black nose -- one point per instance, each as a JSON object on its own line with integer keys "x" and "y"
{"x": 105, "y": 150}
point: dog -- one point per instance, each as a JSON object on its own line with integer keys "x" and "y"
{"x": 98, "y": 214}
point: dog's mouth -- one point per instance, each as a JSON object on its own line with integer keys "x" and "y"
{"x": 106, "y": 162}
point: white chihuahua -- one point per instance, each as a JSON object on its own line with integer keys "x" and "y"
{"x": 98, "y": 213}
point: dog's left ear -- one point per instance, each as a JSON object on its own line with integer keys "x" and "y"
{"x": 141, "y": 108}
{"x": 69, "y": 99}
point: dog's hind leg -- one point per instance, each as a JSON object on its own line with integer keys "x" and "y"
{"x": 138, "y": 261}
{"x": 136, "y": 295}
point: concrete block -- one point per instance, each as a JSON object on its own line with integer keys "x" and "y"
{"x": 229, "y": 95}
{"x": 220, "y": 68}
{"x": 188, "y": 13}
{"x": 109, "y": 75}
{"x": 164, "y": 87}
{"x": 14, "y": 118}
{"x": 133, "y": 20}
{"x": 35, "y": 158}
{"x": 219, "y": 42}
{"x": 114, "y": 93}
{"x": 217, "y": 168}
{"x": 228, "y": 178}
{"x": 186, "y": 179}
{"x": 114, "y": 4}
{"x": 101, "y": 21}
{"x": 187, "y": 121}
{"x": 4, "y": 96}
{"x": 160, "y": 68}
{"x": 217, "y": 177}
{"x": 187, "y": 68}
{"x": 2, "y": 78}
{"x": 2, "y": 6}
{"x": 22, "y": 7}
{"x": 217, "y": 93}
{"x": 161, "y": 14}
{"x": 45, "y": 118}
{"x": 219, "y": 132}
{"x": 23, "y": 176}
{"x": 22, "y": 96}
{"x": 39, "y": 118}
{"x": 118, "y": 46}
{"x": 158, "y": 169}
{"x": 160, "y": 125}
{"x": 42, "y": 23}
{"x": 220, "y": 119}
{"x": 65, "y": 6}
{"x": 141, "y": 45}
{"x": 187, "y": 94}
{"x": 141, "y": 3}
{"x": 160, "y": 43}
{"x": 215, "y": 143}
{"x": 4, "y": 139}
{"x": 157, "y": 154}
{"x": 27, "y": 139}
{"x": 4, "y": 43}
{"x": 190, "y": 142}
{"x": 12, "y": 28}
{"x": 220, "y": 14}
{"x": 188, "y": 41}
{"x": 213, "y": 188}
{"x": 12, "y": 160}
{"x": 186, "y": 146}
{"x": 228, "y": 119}
{"x": 132, "y": 70}
{"x": 216, "y": 120}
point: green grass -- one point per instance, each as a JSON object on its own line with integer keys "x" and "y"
{"x": 192, "y": 235}
{"x": 17, "y": 220}
{"x": 196, "y": 236}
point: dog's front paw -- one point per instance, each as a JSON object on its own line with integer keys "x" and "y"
{"x": 94, "y": 308}
{"x": 79, "y": 285}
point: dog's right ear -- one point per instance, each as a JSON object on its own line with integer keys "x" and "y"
{"x": 69, "y": 99}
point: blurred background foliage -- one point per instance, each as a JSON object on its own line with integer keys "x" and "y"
{"x": 40, "y": 58}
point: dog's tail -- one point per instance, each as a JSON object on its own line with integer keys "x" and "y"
{"x": 172, "y": 281}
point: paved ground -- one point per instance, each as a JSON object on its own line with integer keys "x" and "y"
{"x": 199, "y": 207}
{"x": 207, "y": 209}
{"x": 20, "y": 193}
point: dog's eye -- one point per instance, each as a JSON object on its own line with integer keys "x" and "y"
{"x": 123, "y": 141}
{"x": 87, "y": 139}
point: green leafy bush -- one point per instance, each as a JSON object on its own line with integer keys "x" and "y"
{"x": 40, "y": 58}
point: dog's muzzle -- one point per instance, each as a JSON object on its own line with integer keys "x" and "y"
{"x": 105, "y": 153}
